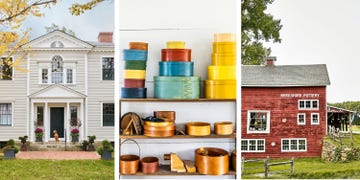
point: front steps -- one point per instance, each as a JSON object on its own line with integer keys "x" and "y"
{"x": 55, "y": 146}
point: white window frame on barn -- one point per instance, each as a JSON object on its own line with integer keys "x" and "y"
{"x": 4, "y": 112}
{"x": 291, "y": 145}
{"x": 253, "y": 125}
{"x": 246, "y": 142}
{"x": 312, "y": 119}
{"x": 302, "y": 104}
{"x": 298, "y": 118}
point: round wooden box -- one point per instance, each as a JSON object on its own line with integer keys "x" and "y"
{"x": 149, "y": 165}
{"x": 134, "y": 83}
{"x": 133, "y": 92}
{"x": 134, "y": 54}
{"x": 224, "y": 47}
{"x": 198, "y": 128}
{"x": 224, "y": 37}
{"x": 175, "y": 45}
{"x": 183, "y": 55}
{"x": 223, "y": 128}
{"x": 176, "y": 68}
{"x": 166, "y": 115}
{"x": 138, "y": 45}
{"x": 211, "y": 161}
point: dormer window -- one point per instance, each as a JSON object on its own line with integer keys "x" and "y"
{"x": 57, "y": 44}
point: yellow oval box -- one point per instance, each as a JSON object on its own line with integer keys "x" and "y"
{"x": 175, "y": 45}
{"x": 134, "y": 74}
{"x": 224, "y": 37}
{"x": 223, "y": 59}
{"x": 224, "y": 47}
{"x": 222, "y": 72}
{"x": 220, "y": 89}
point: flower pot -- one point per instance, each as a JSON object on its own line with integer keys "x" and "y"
{"x": 74, "y": 139}
{"x": 9, "y": 154}
{"x": 38, "y": 139}
{"x": 106, "y": 155}
{"x": 91, "y": 147}
{"x": 23, "y": 147}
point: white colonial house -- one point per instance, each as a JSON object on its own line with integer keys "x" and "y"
{"x": 60, "y": 82}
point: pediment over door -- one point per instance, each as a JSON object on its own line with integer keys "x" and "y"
{"x": 57, "y": 91}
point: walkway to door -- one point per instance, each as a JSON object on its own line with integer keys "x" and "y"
{"x": 57, "y": 155}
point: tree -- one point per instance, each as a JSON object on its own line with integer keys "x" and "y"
{"x": 12, "y": 15}
{"x": 257, "y": 27}
{"x": 54, "y": 27}
{"x": 77, "y": 8}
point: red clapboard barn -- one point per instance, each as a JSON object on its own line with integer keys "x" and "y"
{"x": 283, "y": 110}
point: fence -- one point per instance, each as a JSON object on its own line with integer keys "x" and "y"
{"x": 267, "y": 165}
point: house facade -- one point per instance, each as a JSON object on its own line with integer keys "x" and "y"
{"x": 59, "y": 82}
{"x": 283, "y": 110}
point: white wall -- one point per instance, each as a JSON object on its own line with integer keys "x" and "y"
{"x": 192, "y": 21}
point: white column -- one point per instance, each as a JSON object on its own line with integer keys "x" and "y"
{"x": 67, "y": 123}
{"x": 82, "y": 130}
{"x": 46, "y": 122}
{"x": 32, "y": 133}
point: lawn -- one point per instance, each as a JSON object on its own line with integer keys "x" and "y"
{"x": 56, "y": 169}
{"x": 310, "y": 168}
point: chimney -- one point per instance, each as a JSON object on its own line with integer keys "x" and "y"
{"x": 270, "y": 61}
{"x": 105, "y": 37}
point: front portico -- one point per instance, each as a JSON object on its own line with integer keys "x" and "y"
{"x": 60, "y": 108}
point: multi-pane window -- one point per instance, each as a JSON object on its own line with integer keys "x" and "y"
{"x": 40, "y": 116}
{"x": 308, "y": 104}
{"x": 44, "y": 76}
{"x": 69, "y": 76}
{"x": 315, "y": 118}
{"x": 107, "y": 68}
{"x": 301, "y": 118}
{"x": 57, "y": 69}
{"x": 108, "y": 114}
{"x": 74, "y": 116}
{"x": 253, "y": 145}
{"x": 258, "y": 121}
{"x": 293, "y": 144}
{"x": 5, "y": 114}
{"x": 6, "y": 69}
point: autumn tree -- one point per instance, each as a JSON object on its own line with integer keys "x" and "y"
{"x": 257, "y": 27}
{"x": 79, "y": 8}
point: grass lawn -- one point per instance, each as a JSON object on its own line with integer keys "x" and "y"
{"x": 56, "y": 169}
{"x": 310, "y": 168}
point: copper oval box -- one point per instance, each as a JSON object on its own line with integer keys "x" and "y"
{"x": 138, "y": 45}
{"x": 134, "y": 83}
{"x": 211, "y": 161}
{"x": 176, "y": 55}
{"x": 149, "y": 165}
{"x": 166, "y": 115}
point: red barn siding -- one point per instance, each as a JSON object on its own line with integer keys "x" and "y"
{"x": 267, "y": 98}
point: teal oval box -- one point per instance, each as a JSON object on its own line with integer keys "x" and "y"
{"x": 168, "y": 87}
{"x": 176, "y": 68}
{"x": 133, "y": 92}
{"x": 134, "y": 54}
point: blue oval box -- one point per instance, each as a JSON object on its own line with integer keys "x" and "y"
{"x": 176, "y": 68}
{"x": 166, "y": 87}
{"x": 133, "y": 92}
{"x": 134, "y": 54}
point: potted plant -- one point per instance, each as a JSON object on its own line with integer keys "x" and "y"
{"x": 91, "y": 141}
{"x": 85, "y": 144}
{"x": 75, "y": 135}
{"x": 39, "y": 133}
{"x": 105, "y": 150}
{"x": 23, "y": 140}
{"x": 10, "y": 149}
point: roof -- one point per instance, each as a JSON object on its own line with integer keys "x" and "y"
{"x": 334, "y": 109}
{"x": 284, "y": 76}
{"x": 94, "y": 43}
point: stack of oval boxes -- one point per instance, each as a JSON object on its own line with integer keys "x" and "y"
{"x": 161, "y": 129}
{"x": 222, "y": 72}
{"x": 135, "y": 70}
{"x": 176, "y": 80}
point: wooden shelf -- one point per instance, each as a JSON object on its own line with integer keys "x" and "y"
{"x": 175, "y": 100}
{"x": 164, "y": 170}
{"x": 232, "y": 136}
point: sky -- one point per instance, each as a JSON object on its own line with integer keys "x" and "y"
{"x": 322, "y": 32}
{"x": 86, "y": 26}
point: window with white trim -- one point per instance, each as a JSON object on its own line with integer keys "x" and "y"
{"x": 308, "y": 104}
{"x": 315, "y": 118}
{"x": 293, "y": 145}
{"x": 252, "y": 145}
{"x": 108, "y": 114}
{"x": 258, "y": 122}
{"x": 6, "y": 69}
{"x": 301, "y": 119}
{"x": 44, "y": 76}
{"x": 69, "y": 76}
{"x": 5, "y": 114}
{"x": 57, "y": 70}
{"x": 107, "y": 68}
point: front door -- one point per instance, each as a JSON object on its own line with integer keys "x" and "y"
{"x": 57, "y": 121}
